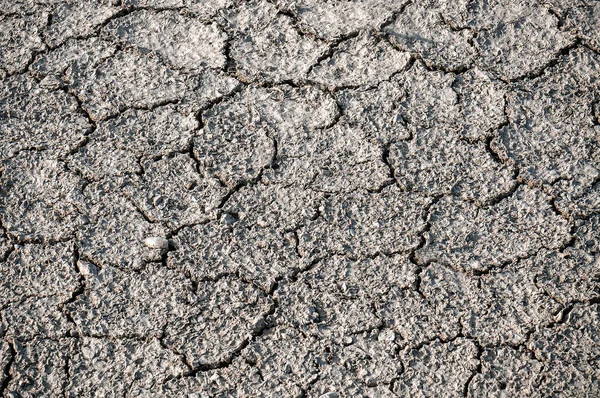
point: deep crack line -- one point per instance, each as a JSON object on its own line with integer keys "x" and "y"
{"x": 8, "y": 375}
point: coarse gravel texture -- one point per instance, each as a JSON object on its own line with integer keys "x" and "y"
{"x": 299, "y": 198}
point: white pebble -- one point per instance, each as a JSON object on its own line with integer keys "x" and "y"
{"x": 155, "y": 242}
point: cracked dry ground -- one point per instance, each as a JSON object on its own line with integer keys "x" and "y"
{"x": 361, "y": 199}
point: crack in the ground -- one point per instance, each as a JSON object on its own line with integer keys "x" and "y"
{"x": 393, "y": 17}
{"x": 560, "y": 18}
{"x": 75, "y": 293}
{"x": 333, "y": 46}
{"x": 8, "y": 376}
{"x": 539, "y": 72}
{"x": 476, "y": 371}
{"x": 412, "y": 257}
{"x": 68, "y": 374}
{"x": 296, "y": 24}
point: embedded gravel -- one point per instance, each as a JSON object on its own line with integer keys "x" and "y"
{"x": 277, "y": 198}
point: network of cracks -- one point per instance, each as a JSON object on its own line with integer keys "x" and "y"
{"x": 281, "y": 198}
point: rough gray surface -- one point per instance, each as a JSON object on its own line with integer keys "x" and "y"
{"x": 277, "y": 198}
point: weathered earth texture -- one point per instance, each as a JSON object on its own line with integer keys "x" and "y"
{"x": 370, "y": 198}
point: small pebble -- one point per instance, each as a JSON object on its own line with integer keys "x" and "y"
{"x": 155, "y": 242}
{"x": 50, "y": 82}
{"x": 228, "y": 219}
{"x": 311, "y": 214}
{"x": 387, "y": 335}
{"x": 258, "y": 324}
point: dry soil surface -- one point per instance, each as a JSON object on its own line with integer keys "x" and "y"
{"x": 299, "y": 198}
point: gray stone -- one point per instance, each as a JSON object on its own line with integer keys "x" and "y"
{"x": 576, "y": 340}
{"x": 272, "y": 206}
{"x": 211, "y": 251}
{"x": 298, "y": 198}
{"x": 570, "y": 349}
{"x": 571, "y": 275}
{"x": 36, "y": 317}
{"x": 415, "y": 319}
{"x": 5, "y": 245}
{"x": 579, "y": 199}
{"x": 338, "y": 159}
{"x": 582, "y": 18}
{"x": 139, "y": 366}
{"x": 37, "y": 271}
{"x": 337, "y": 297}
{"x": 73, "y": 59}
{"x": 156, "y": 242}
{"x": 507, "y": 308}
{"x": 280, "y": 362}
{"x": 570, "y": 380}
{"x": 229, "y": 147}
{"x": 6, "y": 357}
{"x": 376, "y": 111}
{"x": 201, "y": 9}
{"x": 482, "y": 101}
{"x": 117, "y": 144}
{"x": 430, "y": 99}
{"x": 550, "y": 133}
{"x": 18, "y": 6}
{"x": 364, "y": 368}
{"x": 39, "y": 368}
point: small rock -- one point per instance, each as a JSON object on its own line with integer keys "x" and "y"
{"x": 155, "y": 242}
{"x": 51, "y": 82}
{"x": 258, "y": 324}
{"x": 558, "y": 317}
{"x": 311, "y": 214}
{"x": 87, "y": 269}
{"x": 387, "y": 335}
{"x": 228, "y": 219}
{"x": 330, "y": 395}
